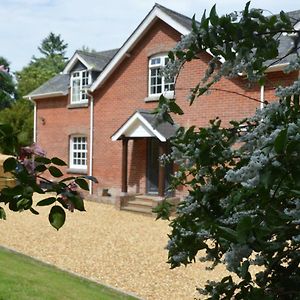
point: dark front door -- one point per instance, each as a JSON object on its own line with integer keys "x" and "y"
{"x": 152, "y": 166}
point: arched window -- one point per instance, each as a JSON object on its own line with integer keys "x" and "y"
{"x": 159, "y": 84}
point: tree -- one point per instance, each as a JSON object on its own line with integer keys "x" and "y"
{"x": 243, "y": 205}
{"x": 53, "y": 45}
{"x": 88, "y": 49}
{"x": 7, "y": 85}
{"x": 20, "y": 118}
{"x": 42, "y": 69}
{"x": 37, "y": 73}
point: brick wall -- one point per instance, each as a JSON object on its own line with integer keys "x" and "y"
{"x": 56, "y": 122}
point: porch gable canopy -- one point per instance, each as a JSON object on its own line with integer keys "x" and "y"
{"x": 142, "y": 124}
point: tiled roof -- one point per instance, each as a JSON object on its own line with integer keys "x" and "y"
{"x": 165, "y": 129}
{"x": 60, "y": 83}
{"x": 286, "y": 42}
{"x": 98, "y": 60}
{"x": 162, "y": 131}
{"x": 182, "y": 19}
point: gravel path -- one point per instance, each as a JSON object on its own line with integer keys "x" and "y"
{"x": 121, "y": 249}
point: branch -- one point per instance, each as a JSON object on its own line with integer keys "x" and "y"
{"x": 43, "y": 178}
{"x": 236, "y": 93}
{"x": 226, "y": 91}
{"x": 276, "y": 32}
{"x": 281, "y": 58}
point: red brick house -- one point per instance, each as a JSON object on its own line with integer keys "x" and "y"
{"x": 95, "y": 115}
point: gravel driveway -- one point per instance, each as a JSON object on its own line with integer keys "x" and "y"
{"x": 121, "y": 249}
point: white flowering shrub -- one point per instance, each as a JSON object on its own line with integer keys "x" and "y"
{"x": 243, "y": 203}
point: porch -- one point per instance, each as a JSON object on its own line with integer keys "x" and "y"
{"x": 141, "y": 125}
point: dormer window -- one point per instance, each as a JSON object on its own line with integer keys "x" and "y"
{"x": 80, "y": 80}
{"x": 159, "y": 84}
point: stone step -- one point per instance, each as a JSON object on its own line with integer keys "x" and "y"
{"x": 140, "y": 210}
{"x": 143, "y": 203}
{"x": 148, "y": 198}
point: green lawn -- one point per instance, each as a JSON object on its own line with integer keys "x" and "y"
{"x": 23, "y": 278}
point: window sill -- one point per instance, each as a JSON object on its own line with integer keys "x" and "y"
{"x": 77, "y": 171}
{"x": 79, "y": 105}
{"x": 155, "y": 98}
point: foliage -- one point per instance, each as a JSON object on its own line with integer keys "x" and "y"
{"x": 20, "y": 118}
{"x": 42, "y": 69}
{"x": 53, "y": 45}
{"x": 243, "y": 205}
{"x": 28, "y": 169}
{"x": 38, "y": 72}
{"x": 88, "y": 49}
{"x": 7, "y": 85}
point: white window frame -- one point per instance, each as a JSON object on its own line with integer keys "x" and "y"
{"x": 159, "y": 65}
{"x": 75, "y": 150}
{"x": 84, "y": 82}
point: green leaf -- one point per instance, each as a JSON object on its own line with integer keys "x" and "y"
{"x": 296, "y": 102}
{"x": 284, "y": 17}
{"x": 281, "y": 141}
{"x": 55, "y": 172}
{"x": 213, "y": 17}
{"x": 194, "y": 24}
{"x": 171, "y": 55}
{"x": 244, "y": 229}
{"x": 43, "y": 160}
{"x": 244, "y": 270}
{"x": 2, "y": 213}
{"x": 92, "y": 178}
{"x": 82, "y": 183}
{"x": 24, "y": 203}
{"x": 175, "y": 108}
{"x": 15, "y": 191}
{"x": 37, "y": 188}
{"x": 78, "y": 202}
{"x": 163, "y": 210}
{"x": 57, "y": 161}
{"x": 47, "y": 201}
{"x": 246, "y": 10}
{"x": 10, "y": 164}
{"x": 13, "y": 204}
{"x": 228, "y": 233}
{"x": 293, "y": 146}
{"x": 57, "y": 217}
{"x": 40, "y": 168}
{"x": 34, "y": 211}
{"x": 296, "y": 192}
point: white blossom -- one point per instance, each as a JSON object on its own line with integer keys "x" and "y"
{"x": 234, "y": 256}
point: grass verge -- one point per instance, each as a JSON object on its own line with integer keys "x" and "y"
{"x": 22, "y": 277}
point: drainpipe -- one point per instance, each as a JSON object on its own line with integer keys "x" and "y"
{"x": 34, "y": 119}
{"x": 262, "y": 96}
{"x": 91, "y": 141}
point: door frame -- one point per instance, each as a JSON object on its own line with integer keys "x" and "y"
{"x": 168, "y": 167}
{"x": 149, "y": 163}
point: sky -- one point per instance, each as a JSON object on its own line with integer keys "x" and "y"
{"x": 97, "y": 24}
